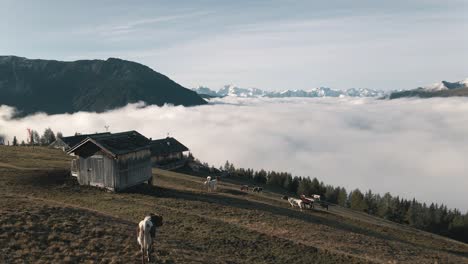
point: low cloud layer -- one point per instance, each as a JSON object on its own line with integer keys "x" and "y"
{"x": 413, "y": 148}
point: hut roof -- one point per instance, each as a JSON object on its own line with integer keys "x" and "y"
{"x": 74, "y": 140}
{"x": 166, "y": 146}
{"x": 116, "y": 144}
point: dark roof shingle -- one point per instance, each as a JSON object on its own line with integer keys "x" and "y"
{"x": 166, "y": 146}
{"x": 124, "y": 142}
{"x": 74, "y": 140}
{"x": 118, "y": 143}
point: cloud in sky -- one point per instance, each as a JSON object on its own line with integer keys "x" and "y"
{"x": 414, "y": 148}
{"x": 271, "y": 45}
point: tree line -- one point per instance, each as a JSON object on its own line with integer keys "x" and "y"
{"x": 35, "y": 139}
{"x": 435, "y": 218}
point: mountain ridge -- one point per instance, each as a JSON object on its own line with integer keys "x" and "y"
{"x": 439, "y": 89}
{"x": 55, "y": 87}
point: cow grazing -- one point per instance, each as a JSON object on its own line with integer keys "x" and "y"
{"x": 295, "y": 202}
{"x": 210, "y": 185}
{"x": 307, "y": 202}
{"x": 146, "y": 233}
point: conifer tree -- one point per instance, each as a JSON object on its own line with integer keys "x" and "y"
{"x": 342, "y": 195}
{"x": 357, "y": 201}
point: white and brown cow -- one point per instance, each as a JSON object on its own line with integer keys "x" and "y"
{"x": 211, "y": 185}
{"x": 295, "y": 202}
{"x": 146, "y": 233}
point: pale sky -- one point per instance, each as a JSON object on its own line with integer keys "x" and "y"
{"x": 272, "y": 45}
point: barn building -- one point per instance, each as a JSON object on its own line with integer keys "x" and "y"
{"x": 167, "y": 151}
{"x": 112, "y": 161}
{"x": 66, "y": 143}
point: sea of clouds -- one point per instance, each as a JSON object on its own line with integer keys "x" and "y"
{"x": 409, "y": 147}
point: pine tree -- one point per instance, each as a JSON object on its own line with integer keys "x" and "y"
{"x": 357, "y": 201}
{"x": 260, "y": 176}
{"x": 305, "y": 187}
{"x": 371, "y": 203}
{"x": 36, "y": 139}
{"x": 227, "y": 165}
{"x": 342, "y": 195}
{"x": 315, "y": 187}
{"x": 48, "y": 137}
{"x": 287, "y": 182}
{"x": 411, "y": 214}
{"x": 294, "y": 185}
{"x": 42, "y": 141}
{"x": 330, "y": 194}
{"x": 383, "y": 207}
{"x": 232, "y": 170}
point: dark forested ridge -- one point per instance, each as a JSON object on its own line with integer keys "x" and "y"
{"x": 429, "y": 94}
{"x": 442, "y": 89}
{"x": 85, "y": 85}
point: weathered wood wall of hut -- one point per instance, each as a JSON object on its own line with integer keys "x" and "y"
{"x": 134, "y": 168}
{"x": 97, "y": 170}
{"x": 167, "y": 157}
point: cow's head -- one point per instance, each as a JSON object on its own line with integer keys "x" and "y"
{"x": 157, "y": 220}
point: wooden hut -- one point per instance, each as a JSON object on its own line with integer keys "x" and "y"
{"x": 167, "y": 150}
{"x": 113, "y": 161}
{"x": 66, "y": 143}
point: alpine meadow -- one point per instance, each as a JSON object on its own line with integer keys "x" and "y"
{"x": 233, "y": 132}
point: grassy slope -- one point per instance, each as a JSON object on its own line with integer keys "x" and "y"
{"x": 45, "y": 218}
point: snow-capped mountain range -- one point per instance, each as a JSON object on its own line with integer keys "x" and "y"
{"x": 230, "y": 90}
